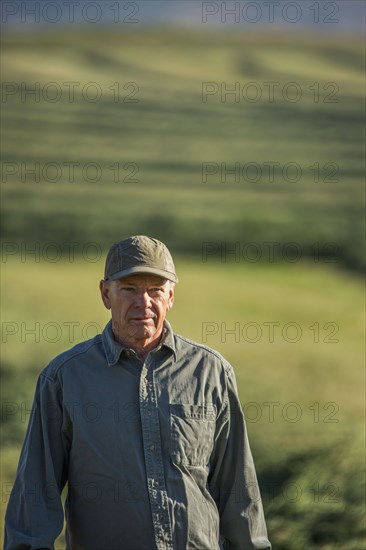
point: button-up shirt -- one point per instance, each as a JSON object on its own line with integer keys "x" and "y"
{"x": 155, "y": 454}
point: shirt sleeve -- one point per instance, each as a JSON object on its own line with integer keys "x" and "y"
{"x": 233, "y": 481}
{"x": 34, "y": 516}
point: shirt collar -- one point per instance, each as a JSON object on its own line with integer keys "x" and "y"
{"x": 168, "y": 337}
{"x": 113, "y": 349}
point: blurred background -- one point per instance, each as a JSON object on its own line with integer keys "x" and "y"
{"x": 232, "y": 131}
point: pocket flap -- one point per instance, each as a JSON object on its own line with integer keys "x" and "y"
{"x": 198, "y": 412}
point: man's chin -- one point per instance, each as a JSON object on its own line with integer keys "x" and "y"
{"x": 142, "y": 331}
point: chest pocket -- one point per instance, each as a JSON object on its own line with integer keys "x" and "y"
{"x": 192, "y": 429}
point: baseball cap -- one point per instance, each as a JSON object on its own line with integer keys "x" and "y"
{"x": 139, "y": 254}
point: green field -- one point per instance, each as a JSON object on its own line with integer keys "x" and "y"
{"x": 163, "y": 144}
{"x": 293, "y": 328}
{"x": 303, "y": 399}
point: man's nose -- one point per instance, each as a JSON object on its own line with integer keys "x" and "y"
{"x": 143, "y": 298}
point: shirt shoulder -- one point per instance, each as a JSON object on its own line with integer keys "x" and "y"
{"x": 187, "y": 345}
{"x": 72, "y": 356}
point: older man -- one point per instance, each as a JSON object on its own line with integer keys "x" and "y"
{"x": 144, "y": 426}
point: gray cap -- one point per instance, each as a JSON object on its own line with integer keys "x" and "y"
{"x": 139, "y": 254}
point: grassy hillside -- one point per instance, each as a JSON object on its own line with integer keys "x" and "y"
{"x": 140, "y": 136}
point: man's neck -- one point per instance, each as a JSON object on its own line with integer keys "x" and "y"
{"x": 142, "y": 348}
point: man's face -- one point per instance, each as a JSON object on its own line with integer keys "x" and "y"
{"x": 139, "y": 304}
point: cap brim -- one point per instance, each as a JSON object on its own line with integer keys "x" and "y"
{"x": 134, "y": 270}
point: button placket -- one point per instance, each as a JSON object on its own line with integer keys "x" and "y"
{"x": 153, "y": 459}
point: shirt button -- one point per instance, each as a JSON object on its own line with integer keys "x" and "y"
{"x": 152, "y": 447}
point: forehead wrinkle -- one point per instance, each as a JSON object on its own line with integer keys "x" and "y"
{"x": 142, "y": 280}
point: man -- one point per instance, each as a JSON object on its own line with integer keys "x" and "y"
{"x": 144, "y": 426}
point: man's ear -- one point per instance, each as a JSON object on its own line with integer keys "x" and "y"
{"x": 104, "y": 292}
{"x": 171, "y": 298}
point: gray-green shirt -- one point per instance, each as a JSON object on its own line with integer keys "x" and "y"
{"x": 155, "y": 454}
